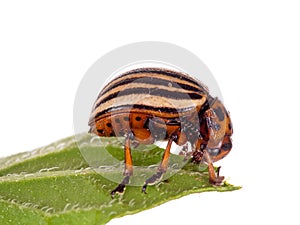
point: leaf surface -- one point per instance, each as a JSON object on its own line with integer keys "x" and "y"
{"x": 63, "y": 184}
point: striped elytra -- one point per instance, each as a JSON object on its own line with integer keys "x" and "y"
{"x": 155, "y": 104}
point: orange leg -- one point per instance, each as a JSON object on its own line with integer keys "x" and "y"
{"x": 162, "y": 167}
{"x": 213, "y": 177}
{"x": 128, "y": 171}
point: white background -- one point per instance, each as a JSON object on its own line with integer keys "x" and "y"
{"x": 251, "y": 47}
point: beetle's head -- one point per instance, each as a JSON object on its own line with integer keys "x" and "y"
{"x": 216, "y": 128}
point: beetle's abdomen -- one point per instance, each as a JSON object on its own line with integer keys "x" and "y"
{"x": 145, "y": 128}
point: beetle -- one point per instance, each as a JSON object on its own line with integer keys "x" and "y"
{"x": 146, "y": 105}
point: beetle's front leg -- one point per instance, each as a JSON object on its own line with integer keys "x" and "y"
{"x": 214, "y": 178}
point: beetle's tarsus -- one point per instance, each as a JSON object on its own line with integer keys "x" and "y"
{"x": 120, "y": 188}
{"x": 144, "y": 188}
{"x": 218, "y": 180}
{"x": 152, "y": 180}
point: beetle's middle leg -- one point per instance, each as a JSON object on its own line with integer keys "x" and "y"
{"x": 128, "y": 171}
{"x": 162, "y": 167}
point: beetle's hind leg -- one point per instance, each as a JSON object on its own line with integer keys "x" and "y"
{"x": 128, "y": 171}
{"x": 162, "y": 167}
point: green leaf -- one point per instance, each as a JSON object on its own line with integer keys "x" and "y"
{"x": 63, "y": 184}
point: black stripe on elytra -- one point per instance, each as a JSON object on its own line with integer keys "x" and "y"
{"x": 152, "y": 91}
{"x": 153, "y": 81}
{"x": 145, "y": 107}
{"x": 168, "y": 73}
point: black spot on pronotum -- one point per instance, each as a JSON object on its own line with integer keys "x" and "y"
{"x": 126, "y": 118}
{"x": 229, "y": 126}
{"x": 227, "y": 146}
{"x": 218, "y": 111}
{"x": 138, "y": 118}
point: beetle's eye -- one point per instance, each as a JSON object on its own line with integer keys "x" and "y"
{"x": 227, "y": 146}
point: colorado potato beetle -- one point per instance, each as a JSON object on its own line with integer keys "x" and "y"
{"x": 146, "y": 105}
